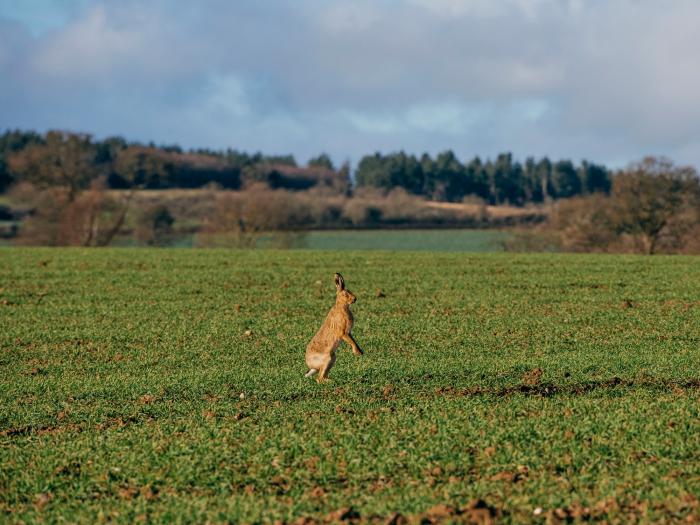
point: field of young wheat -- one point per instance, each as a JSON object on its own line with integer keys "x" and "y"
{"x": 168, "y": 386}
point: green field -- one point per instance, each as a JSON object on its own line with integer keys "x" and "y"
{"x": 443, "y": 240}
{"x": 167, "y": 386}
{"x": 407, "y": 240}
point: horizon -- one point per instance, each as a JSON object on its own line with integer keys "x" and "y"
{"x": 305, "y": 162}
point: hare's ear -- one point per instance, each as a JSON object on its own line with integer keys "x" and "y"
{"x": 339, "y": 282}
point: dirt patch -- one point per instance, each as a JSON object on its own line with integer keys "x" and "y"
{"x": 549, "y": 389}
{"x": 532, "y": 377}
{"x": 147, "y": 399}
{"x": 317, "y": 493}
{"x": 117, "y": 422}
{"x": 512, "y": 476}
{"x": 629, "y": 511}
{"x": 38, "y": 431}
{"x": 41, "y": 500}
{"x": 476, "y": 512}
{"x": 388, "y": 392}
{"x": 111, "y": 423}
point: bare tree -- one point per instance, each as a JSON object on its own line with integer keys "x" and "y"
{"x": 65, "y": 160}
{"x": 583, "y": 224}
{"x": 653, "y": 207}
{"x": 90, "y": 218}
{"x": 655, "y": 203}
{"x": 241, "y": 219}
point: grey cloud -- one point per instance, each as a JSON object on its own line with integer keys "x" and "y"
{"x": 609, "y": 81}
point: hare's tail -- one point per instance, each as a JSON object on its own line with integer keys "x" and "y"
{"x": 311, "y": 372}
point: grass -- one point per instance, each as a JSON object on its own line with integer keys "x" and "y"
{"x": 167, "y": 386}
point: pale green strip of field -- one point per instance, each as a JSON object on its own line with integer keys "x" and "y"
{"x": 436, "y": 240}
{"x": 441, "y": 240}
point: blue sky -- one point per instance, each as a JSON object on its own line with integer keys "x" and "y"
{"x": 609, "y": 81}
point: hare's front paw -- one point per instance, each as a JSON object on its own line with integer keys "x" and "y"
{"x": 357, "y": 351}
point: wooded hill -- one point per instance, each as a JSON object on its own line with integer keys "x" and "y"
{"x": 59, "y": 158}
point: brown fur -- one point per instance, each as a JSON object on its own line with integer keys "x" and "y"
{"x": 320, "y": 353}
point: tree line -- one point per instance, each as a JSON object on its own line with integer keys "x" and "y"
{"x": 500, "y": 181}
{"x": 59, "y": 158}
{"x": 59, "y": 184}
{"x": 74, "y": 160}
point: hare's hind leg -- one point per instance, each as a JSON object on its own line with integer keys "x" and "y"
{"x": 323, "y": 374}
{"x": 311, "y": 372}
{"x": 326, "y": 369}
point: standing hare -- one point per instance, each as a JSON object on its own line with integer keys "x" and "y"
{"x": 320, "y": 354}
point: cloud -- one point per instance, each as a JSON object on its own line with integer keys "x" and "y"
{"x": 610, "y": 81}
{"x": 451, "y": 119}
{"x": 483, "y": 8}
{"x": 40, "y": 16}
{"x": 89, "y": 49}
{"x": 226, "y": 95}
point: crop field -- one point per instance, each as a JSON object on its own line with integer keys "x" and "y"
{"x": 168, "y": 386}
{"x": 446, "y": 240}
{"x": 407, "y": 240}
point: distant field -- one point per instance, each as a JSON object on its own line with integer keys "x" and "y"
{"x": 167, "y": 386}
{"x": 442, "y": 240}
{"x": 404, "y": 240}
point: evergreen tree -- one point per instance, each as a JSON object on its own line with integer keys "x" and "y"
{"x": 322, "y": 161}
{"x": 477, "y": 178}
{"x": 506, "y": 180}
{"x": 565, "y": 179}
{"x": 543, "y": 174}
{"x": 5, "y": 177}
{"x": 594, "y": 178}
{"x": 450, "y": 177}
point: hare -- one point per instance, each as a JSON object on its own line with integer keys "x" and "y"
{"x": 320, "y": 353}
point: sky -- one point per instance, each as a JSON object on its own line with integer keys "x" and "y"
{"x": 609, "y": 81}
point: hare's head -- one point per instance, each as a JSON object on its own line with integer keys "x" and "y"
{"x": 343, "y": 295}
